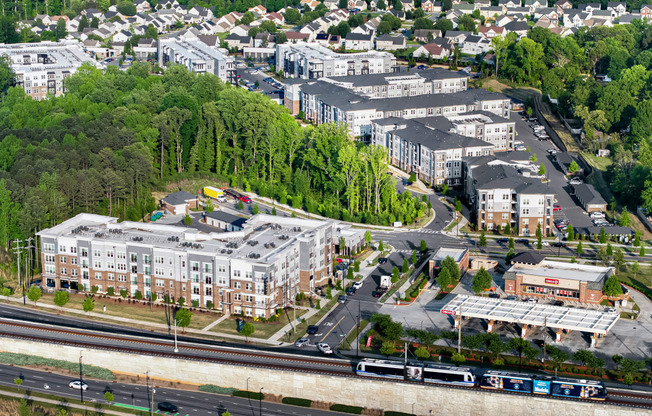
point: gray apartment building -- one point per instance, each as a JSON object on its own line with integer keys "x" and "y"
{"x": 253, "y": 271}
{"x": 198, "y": 57}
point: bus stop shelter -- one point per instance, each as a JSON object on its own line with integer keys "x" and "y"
{"x": 526, "y": 314}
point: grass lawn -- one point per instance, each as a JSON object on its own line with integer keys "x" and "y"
{"x": 643, "y": 278}
{"x": 601, "y": 163}
{"x": 263, "y": 330}
{"x": 125, "y": 309}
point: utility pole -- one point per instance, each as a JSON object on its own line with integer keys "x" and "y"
{"x": 545, "y": 335}
{"x": 151, "y": 409}
{"x": 17, "y": 250}
{"x": 176, "y": 348}
{"x": 459, "y": 333}
{"x": 81, "y": 380}
{"x": 260, "y": 402}
{"x": 28, "y": 267}
{"x": 357, "y": 334}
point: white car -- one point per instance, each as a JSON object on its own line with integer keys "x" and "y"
{"x": 575, "y": 182}
{"x": 78, "y": 385}
{"x": 324, "y": 348}
{"x": 301, "y": 342}
{"x": 545, "y": 243}
{"x": 596, "y": 215}
{"x": 357, "y": 285}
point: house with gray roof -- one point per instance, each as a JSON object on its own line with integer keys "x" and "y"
{"x": 225, "y": 221}
{"x": 390, "y": 43}
{"x": 180, "y": 202}
{"x": 589, "y": 197}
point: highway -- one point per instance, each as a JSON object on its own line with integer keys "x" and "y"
{"x": 190, "y": 403}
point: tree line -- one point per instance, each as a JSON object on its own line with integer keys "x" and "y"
{"x": 115, "y": 136}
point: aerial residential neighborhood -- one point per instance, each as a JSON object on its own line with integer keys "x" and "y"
{"x": 323, "y": 207}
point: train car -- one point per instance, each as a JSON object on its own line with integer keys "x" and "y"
{"x": 381, "y": 368}
{"x": 583, "y": 389}
{"x": 443, "y": 374}
{"x": 503, "y": 380}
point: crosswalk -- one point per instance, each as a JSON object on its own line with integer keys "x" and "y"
{"x": 428, "y": 231}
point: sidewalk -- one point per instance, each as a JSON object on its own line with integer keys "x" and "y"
{"x": 162, "y": 327}
{"x": 58, "y": 403}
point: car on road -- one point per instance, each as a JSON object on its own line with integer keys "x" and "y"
{"x": 324, "y": 348}
{"x": 502, "y": 240}
{"x": 312, "y": 330}
{"x": 376, "y": 294}
{"x": 556, "y": 207}
{"x": 167, "y": 407}
{"x": 511, "y": 297}
{"x": 301, "y": 342}
{"x": 382, "y": 260}
{"x": 552, "y": 151}
{"x": 531, "y": 300}
{"x": 544, "y": 243}
{"x": 422, "y": 67}
{"x": 575, "y": 181}
{"x": 610, "y": 310}
{"x": 558, "y": 303}
{"x": 78, "y": 385}
{"x": 494, "y": 295}
{"x": 245, "y": 199}
{"x": 558, "y": 244}
{"x": 350, "y": 291}
{"x": 357, "y": 285}
{"x": 522, "y": 241}
{"x": 342, "y": 299}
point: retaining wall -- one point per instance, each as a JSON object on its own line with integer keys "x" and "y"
{"x": 347, "y": 390}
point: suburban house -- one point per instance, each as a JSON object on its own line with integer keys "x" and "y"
{"x": 359, "y": 42}
{"x": 180, "y": 202}
{"x": 589, "y": 197}
{"x": 225, "y": 221}
{"x": 390, "y": 43}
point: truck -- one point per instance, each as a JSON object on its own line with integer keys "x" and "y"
{"x": 237, "y": 196}
{"x": 385, "y": 283}
{"x": 214, "y": 193}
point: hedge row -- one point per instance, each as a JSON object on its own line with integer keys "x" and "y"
{"x": 392, "y": 413}
{"x": 346, "y": 409}
{"x": 26, "y": 360}
{"x": 297, "y": 401}
{"x": 249, "y": 394}
{"x": 212, "y": 388}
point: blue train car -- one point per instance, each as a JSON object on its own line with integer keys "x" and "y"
{"x": 503, "y": 380}
{"x": 583, "y": 389}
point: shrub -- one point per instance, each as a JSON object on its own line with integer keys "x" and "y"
{"x": 24, "y": 360}
{"x": 392, "y": 413}
{"x": 295, "y": 401}
{"x": 110, "y": 291}
{"x": 211, "y": 388}
{"x": 249, "y": 394}
{"x": 346, "y": 409}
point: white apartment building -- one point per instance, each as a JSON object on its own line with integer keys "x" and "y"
{"x": 41, "y": 68}
{"x": 311, "y": 61}
{"x": 197, "y": 57}
{"x": 486, "y": 126}
{"x": 253, "y": 271}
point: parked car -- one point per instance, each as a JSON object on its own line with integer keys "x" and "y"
{"x": 610, "y": 310}
{"x": 494, "y": 295}
{"x": 503, "y": 240}
{"x": 558, "y": 244}
{"x": 312, "y": 330}
{"x": 422, "y": 67}
{"x": 301, "y": 342}
{"x": 552, "y": 151}
{"x": 576, "y": 181}
{"x": 522, "y": 241}
{"x": 342, "y": 299}
{"x": 376, "y": 294}
{"x": 511, "y": 297}
{"x": 595, "y": 215}
{"x": 167, "y": 407}
{"x": 545, "y": 243}
{"x": 556, "y": 207}
{"x": 558, "y": 303}
{"x": 382, "y": 260}
{"x": 357, "y": 285}
{"x": 531, "y": 300}
{"x": 324, "y": 348}
{"x": 78, "y": 385}
{"x": 350, "y": 291}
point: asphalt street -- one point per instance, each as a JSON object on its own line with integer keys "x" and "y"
{"x": 190, "y": 403}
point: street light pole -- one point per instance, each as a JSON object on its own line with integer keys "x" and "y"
{"x": 151, "y": 409}
{"x": 260, "y": 402}
{"x": 81, "y": 380}
{"x": 176, "y": 349}
{"x": 459, "y": 333}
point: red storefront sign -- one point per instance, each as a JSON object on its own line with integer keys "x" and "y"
{"x": 447, "y": 312}
{"x": 552, "y": 281}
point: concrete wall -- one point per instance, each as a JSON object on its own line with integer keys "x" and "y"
{"x": 346, "y": 390}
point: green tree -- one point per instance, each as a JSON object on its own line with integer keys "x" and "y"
{"x": 511, "y": 243}
{"x": 381, "y": 247}
{"x": 444, "y": 279}
{"x": 124, "y": 293}
{"x": 624, "y": 221}
{"x": 61, "y": 297}
{"x": 619, "y": 259}
{"x": 292, "y": 16}
{"x": 610, "y": 250}
{"x": 187, "y": 220}
{"x": 183, "y": 317}
{"x": 542, "y": 169}
{"x": 18, "y": 381}
{"x": 579, "y": 249}
{"x": 406, "y": 266}
{"x": 483, "y": 239}
{"x": 603, "y": 236}
{"x": 573, "y": 167}
{"x": 635, "y": 268}
{"x": 108, "y": 396}
{"x": 240, "y": 205}
{"x": 452, "y": 266}
{"x": 387, "y": 348}
{"x": 34, "y": 294}
{"x": 612, "y": 287}
{"x": 60, "y": 32}
{"x": 349, "y": 273}
{"x": 424, "y": 246}
{"x": 481, "y": 281}
{"x": 367, "y": 237}
{"x": 556, "y": 355}
{"x": 533, "y": 158}
{"x": 7, "y": 75}
{"x": 255, "y": 210}
{"x": 571, "y": 232}
{"x": 395, "y": 274}
{"x": 89, "y": 304}
{"x": 508, "y": 229}
{"x": 381, "y": 5}
{"x": 181, "y": 301}
{"x": 458, "y": 359}
{"x": 110, "y": 291}
{"x": 422, "y": 353}
{"x": 641, "y": 252}
{"x": 413, "y": 258}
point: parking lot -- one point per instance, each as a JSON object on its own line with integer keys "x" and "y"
{"x": 253, "y": 75}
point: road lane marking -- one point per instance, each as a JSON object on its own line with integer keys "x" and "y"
{"x": 331, "y": 330}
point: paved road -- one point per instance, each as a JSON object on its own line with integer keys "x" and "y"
{"x": 190, "y": 403}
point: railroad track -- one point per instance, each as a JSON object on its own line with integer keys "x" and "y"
{"x": 279, "y": 361}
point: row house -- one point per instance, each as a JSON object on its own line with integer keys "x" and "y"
{"x": 252, "y": 272}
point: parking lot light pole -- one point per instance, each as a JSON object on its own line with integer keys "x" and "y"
{"x": 81, "y": 380}
{"x": 260, "y": 402}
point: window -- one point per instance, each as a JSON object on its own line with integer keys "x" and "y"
{"x": 49, "y": 258}
{"x": 208, "y": 280}
{"x": 48, "y": 247}
{"x": 64, "y": 271}
{"x": 73, "y": 261}
{"x": 110, "y": 276}
{"x": 208, "y": 268}
{"x": 122, "y": 278}
{"x": 109, "y": 254}
{"x": 98, "y": 275}
{"x": 133, "y": 257}
{"x": 74, "y": 272}
{"x": 171, "y": 285}
{"x": 96, "y": 253}
{"x": 158, "y": 260}
{"x": 122, "y": 267}
{"x": 122, "y": 255}
{"x": 160, "y": 283}
{"x": 84, "y": 252}
{"x": 209, "y": 291}
{"x": 237, "y": 296}
{"x": 236, "y": 273}
{"x": 158, "y": 271}
{"x": 526, "y": 211}
{"x": 236, "y": 285}
{"x": 97, "y": 264}
{"x": 221, "y": 268}
{"x": 247, "y": 286}
{"x": 63, "y": 259}
{"x": 194, "y": 266}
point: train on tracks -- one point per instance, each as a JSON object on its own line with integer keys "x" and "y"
{"x": 493, "y": 380}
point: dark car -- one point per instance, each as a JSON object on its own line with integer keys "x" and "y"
{"x": 503, "y": 240}
{"x": 167, "y": 407}
{"x": 558, "y": 244}
{"x": 421, "y": 67}
{"x": 522, "y": 241}
{"x": 494, "y": 295}
{"x": 312, "y": 330}
{"x": 350, "y": 291}
{"x": 558, "y": 303}
{"x": 382, "y": 260}
{"x": 376, "y": 294}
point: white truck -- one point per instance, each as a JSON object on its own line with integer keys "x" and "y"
{"x": 385, "y": 282}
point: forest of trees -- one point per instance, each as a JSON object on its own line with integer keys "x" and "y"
{"x": 615, "y": 115}
{"x": 113, "y": 137}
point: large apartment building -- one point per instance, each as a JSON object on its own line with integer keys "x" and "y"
{"x": 253, "y": 271}
{"x": 41, "y": 68}
{"x": 312, "y": 60}
{"x": 428, "y": 147}
{"x": 198, "y": 57}
{"x": 499, "y": 195}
